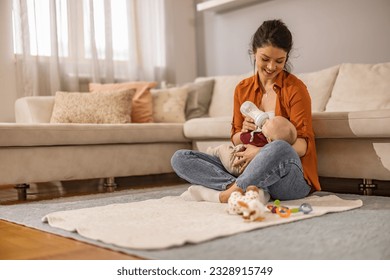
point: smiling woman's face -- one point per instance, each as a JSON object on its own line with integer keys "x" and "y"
{"x": 270, "y": 62}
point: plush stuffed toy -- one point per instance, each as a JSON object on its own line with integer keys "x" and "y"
{"x": 253, "y": 211}
{"x": 248, "y": 205}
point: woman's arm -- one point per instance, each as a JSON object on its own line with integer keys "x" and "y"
{"x": 236, "y": 139}
{"x": 300, "y": 146}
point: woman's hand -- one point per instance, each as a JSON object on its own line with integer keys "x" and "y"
{"x": 248, "y": 125}
{"x": 245, "y": 157}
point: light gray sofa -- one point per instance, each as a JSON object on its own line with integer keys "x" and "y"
{"x": 36, "y": 151}
{"x": 351, "y": 120}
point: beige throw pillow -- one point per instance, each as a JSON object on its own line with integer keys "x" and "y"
{"x": 142, "y": 105}
{"x": 223, "y": 92}
{"x": 169, "y": 105}
{"x": 198, "y": 99}
{"x": 84, "y": 107}
{"x": 361, "y": 87}
{"x": 320, "y": 85}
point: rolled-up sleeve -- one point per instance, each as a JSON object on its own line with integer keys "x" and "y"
{"x": 300, "y": 112}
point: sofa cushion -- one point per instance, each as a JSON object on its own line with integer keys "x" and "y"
{"x": 141, "y": 105}
{"x": 208, "y": 128}
{"x": 169, "y": 104}
{"x": 361, "y": 124}
{"x": 320, "y": 85}
{"x": 325, "y": 124}
{"x": 83, "y": 107}
{"x": 30, "y": 135}
{"x": 198, "y": 99}
{"x": 34, "y": 109}
{"x": 223, "y": 92}
{"x": 361, "y": 87}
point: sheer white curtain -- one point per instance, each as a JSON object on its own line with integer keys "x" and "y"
{"x": 64, "y": 44}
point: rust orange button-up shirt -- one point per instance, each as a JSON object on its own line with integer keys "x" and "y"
{"x": 293, "y": 102}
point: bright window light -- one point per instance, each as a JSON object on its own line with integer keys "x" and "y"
{"x": 62, "y": 27}
{"x": 120, "y": 29}
{"x": 40, "y": 25}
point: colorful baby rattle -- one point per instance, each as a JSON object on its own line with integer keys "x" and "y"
{"x": 285, "y": 212}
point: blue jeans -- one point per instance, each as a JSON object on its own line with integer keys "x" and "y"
{"x": 276, "y": 168}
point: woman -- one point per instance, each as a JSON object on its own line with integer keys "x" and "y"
{"x": 284, "y": 171}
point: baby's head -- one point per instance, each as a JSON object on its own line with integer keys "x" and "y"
{"x": 279, "y": 128}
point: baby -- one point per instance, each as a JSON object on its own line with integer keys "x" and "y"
{"x": 277, "y": 128}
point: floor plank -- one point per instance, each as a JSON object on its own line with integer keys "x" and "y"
{"x": 23, "y": 243}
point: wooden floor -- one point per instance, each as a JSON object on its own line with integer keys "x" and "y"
{"x": 23, "y": 243}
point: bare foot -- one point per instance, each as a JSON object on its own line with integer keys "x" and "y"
{"x": 224, "y": 195}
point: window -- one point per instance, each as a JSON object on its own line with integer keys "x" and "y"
{"x": 105, "y": 26}
{"x": 40, "y": 27}
{"x": 119, "y": 22}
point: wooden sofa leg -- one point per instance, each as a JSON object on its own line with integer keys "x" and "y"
{"x": 367, "y": 187}
{"x": 22, "y": 191}
{"x": 109, "y": 184}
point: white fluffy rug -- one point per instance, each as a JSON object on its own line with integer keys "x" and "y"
{"x": 172, "y": 221}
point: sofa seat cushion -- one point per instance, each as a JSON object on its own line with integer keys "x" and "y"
{"x": 362, "y": 124}
{"x": 19, "y": 135}
{"x": 208, "y": 128}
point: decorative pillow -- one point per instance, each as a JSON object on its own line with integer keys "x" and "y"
{"x": 320, "y": 85}
{"x": 84, "y": 107}
{"x": 198, "y": 99}
{"x": 223, "y": 92}
{"x": 142, "y": 105}
{"x": 169, "y": 105}
{"x": 361, "y": 87}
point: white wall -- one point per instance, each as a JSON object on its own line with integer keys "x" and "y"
{"x": 325, "y": 33}
{"x": 181, "y": 42}
{"x": 7, "y": 67}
